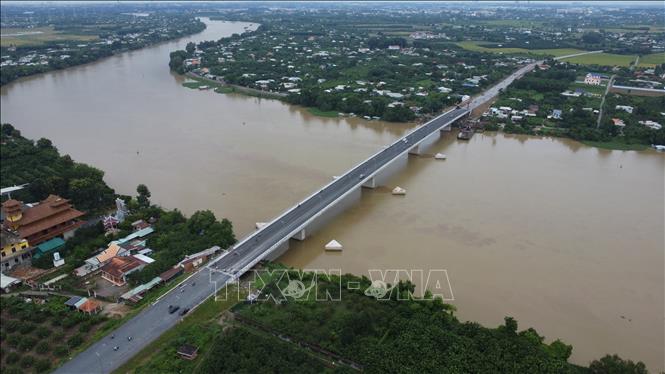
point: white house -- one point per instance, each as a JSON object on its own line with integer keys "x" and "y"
{"x": 592, "y": 79}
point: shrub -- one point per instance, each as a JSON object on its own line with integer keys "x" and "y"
{"x": 13, "y": 340}
{"x": 42, "y": 365}
{"x": 42, "y": 332}
{"x": 26, "y": 327}
{"x": 12, "y": 357}
{"x": 69, "y": 321}
{"x": 56, "y": 322}
{"x": 42, "y": 347}
{"x": 60, "y": 351}
{"x": 26, "y": 344}
{"x": 12, "y": 370}
{"x": 11, "y": 325}
{"x": 85, "y": 326}
{"x": 75, "y": 341}
{"x": 27, "y": 361}
{"x": 57, "y": 336}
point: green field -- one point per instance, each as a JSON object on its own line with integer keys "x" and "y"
{"x": 38, "y": 36}
{"x": 616, "y": 145}
{"x": 652, "y": 60}
{"x": 606, "y": 59}
{"x": 322, "y": 113}
{"x": 556, "y": 52}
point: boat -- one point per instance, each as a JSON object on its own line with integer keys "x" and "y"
{"x": 659, "y": 148}
{"x": 465, "y": 133}
{"x": 440, "y": 156}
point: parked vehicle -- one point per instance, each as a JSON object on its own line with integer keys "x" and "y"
{"x": 184, "y": 311}
{"x": 173, "y": 308}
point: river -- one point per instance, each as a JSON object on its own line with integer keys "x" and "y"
{"x": 566, "y": 238}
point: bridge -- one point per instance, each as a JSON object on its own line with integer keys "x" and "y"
{"x": 269, "y": 241}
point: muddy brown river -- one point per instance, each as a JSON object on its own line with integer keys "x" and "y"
{"x": 566, "y": 238}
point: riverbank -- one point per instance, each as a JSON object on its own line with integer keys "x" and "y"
{"x": 225, "y": 88}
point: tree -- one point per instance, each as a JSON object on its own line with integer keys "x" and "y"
{"x": 44, "y": 143}
{"x": 143, "y": 197}
{"x": 613, "y": 364}
{"x": 190, "y": 48}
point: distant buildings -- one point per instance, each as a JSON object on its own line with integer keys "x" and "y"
{"x": 593, "y": 79}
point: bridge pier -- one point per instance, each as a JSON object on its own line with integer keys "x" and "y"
{"x": 300, "y": 235}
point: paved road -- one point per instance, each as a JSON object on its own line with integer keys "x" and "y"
{"x": 155, "y": 319}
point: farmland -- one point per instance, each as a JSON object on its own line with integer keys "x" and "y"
{"x": 39, "y": 36}
{"x": 604, "y": 59}
{"x": 556, "y": 52}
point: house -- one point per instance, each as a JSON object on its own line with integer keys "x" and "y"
{"x": 13, "y": 249}
{"x": 83, "y": 304}
{"x": 593, "y": 79}
{"x": 188, "y": 352}
{"x": 118, "y": 268}
{"x": 52, "y": 217}
{"x": 618, "y": 122}
{"x": 48, "y": 247}
{"x": 556, "y": 114}
{"x": 625, "y": 108}
{"x": 190, "y": 262}
{"x": 651, "y": 124}
{"x": 171, "y": 273}
{"x": 6, "y": 282}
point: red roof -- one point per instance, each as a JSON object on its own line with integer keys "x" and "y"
{"x": 53, "y": 211}
{"x": 119, "y": 266}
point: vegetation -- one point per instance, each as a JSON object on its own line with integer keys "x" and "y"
{"x": 199, "y": 328}
{"x": 37, "y": 337}
{"x": 47, "y": 172}
{"x": 606, "y": 59}
{"x": 543, "y": 90}
{"x": 379, "y": 336}
{"x": 40, "y": 39}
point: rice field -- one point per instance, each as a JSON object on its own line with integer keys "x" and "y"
{"x": 37, "y": 36}
{"x": 605, "y": 59}
{"x": 652, "y": 60}
{"x": 556, "y": 52}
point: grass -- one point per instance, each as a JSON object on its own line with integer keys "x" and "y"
{"x": 477, "y": 46}
{"x": 200, "y": 321}
{"x": 652, "y": 60}
{"x": 38, "y": 36}
{"x": 616, "y": 145}
{"x": 605, "y": 59}
{"x": 323, "y": 113}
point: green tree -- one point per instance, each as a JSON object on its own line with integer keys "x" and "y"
{"x": 143, "y": 197}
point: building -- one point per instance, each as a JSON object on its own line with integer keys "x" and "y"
{"x": 48, "y": 246}
{"x": 556, "y": 114}
{"x": 593, "y": 79}
{"x": 625, "y": 108}
{"x": 13, "y": 249}
{"x": 7, "y": 282}
{"x": 118, "y": 268}
{"x": 52, "y": 217}
{"x": 195, "y": 260}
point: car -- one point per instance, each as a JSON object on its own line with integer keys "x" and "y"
{"x": 184, "y": 311}
{"x": 173, "y": 308}
{"x": 361, "y": 176}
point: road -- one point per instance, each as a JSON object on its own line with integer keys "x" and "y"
{"x": 155, "y": 319}
{"x": 602, "y": 102}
